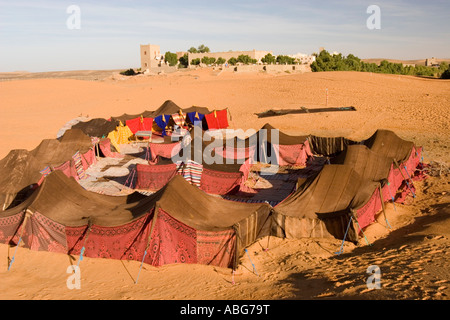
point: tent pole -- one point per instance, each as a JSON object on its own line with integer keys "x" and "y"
{"x": 406, "y": 180}
{"x": 341, "y": 250}
{"x": 83, "y": 249}
{"x": 382, "y": 206}
{"x": 155, "y": 216}
{"x": 28, "y": 213}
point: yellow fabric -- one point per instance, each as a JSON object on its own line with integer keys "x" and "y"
{"x": 112, "y": 136}
{"x": 124, "y": 133}
{"x": 120, "y": 136}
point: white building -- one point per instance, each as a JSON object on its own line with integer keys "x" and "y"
{"x": 303, "y": 58}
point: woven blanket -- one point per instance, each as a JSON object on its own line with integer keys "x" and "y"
{"x": 79, "y": 166}
{"x": 191, "y": 171}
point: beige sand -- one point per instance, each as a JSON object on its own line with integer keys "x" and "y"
{"x": 413, "y": 256}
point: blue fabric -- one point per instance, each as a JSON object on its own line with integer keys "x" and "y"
{"x": 162, "y": 123}
{"x": 194, "y": 120}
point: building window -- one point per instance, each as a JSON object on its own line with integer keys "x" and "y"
{"x": 145, "y": 53}
{"x": 146, "y": 64}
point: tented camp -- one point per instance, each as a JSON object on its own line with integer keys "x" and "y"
{"x": 21, "y": 170}
{"x": 178, "y": 224}
{"x": 44, "y": 205}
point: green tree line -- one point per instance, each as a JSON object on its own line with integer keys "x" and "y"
{"x": 327, "y": 62}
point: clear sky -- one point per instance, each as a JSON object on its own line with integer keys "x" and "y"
{"x": 34, "y": 35}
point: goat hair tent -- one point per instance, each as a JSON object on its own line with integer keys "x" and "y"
{"x": 97, "y": 127}
{"x": 289, "y": 150}
{"x": 321, "y": 206}
{"x": 356, "y": 185}
{"x": 178, "y": 224}
{"x": 21, "y": 169}
{"x": 218, "y": 179}
{"x": 167, "y": 108}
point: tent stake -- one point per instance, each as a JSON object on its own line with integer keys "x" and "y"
{"x": 345, "y": 236}
{"x": 382, "y": 206}
{"x": 390, "y": 194}
{"x": 27, "y": 214}
{"x": 254, "y": 268}
{"x": 406, "y": 180}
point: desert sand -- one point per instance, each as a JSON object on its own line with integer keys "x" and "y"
{"x": 413, "y": 256}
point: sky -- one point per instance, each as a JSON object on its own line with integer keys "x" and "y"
{"x": 42, "y": 35}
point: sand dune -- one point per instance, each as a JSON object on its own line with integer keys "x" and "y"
{"x": 413, "y": 256}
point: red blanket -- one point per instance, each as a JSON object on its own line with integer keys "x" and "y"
{"x": 217, "y": 119}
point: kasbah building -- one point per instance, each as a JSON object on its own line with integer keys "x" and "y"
{"x": 151, "y": 56}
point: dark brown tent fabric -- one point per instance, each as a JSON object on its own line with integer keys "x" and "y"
{"x": 283, "y": 138}
{"x": 329, "y": 146}
{"x": 387, "y": 143}
{"x": 64, "y": 201}
{"x": 383, "y": 142}
{"x": 18, "y": 171}
{"x": 77, "y": 138}
{"x": 21, "y": 168}
{"x": 321, "y": 206}
{"x": 167, "y": 108}
{"x": 367, "y": 163}
{"x": 54, "y": 152}
{"x": 97, "y": 127}
{"x": 125, "y": 117}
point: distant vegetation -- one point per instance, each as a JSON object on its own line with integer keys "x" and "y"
{"x": 184, "y": 61}
{"x": 269, "y": 59}
{"x": 129, "y": 72}
{"x": 327, "y": 62}
{"x": 195, "y": 61}
{"x": 285, "y": 60}
{"x": 232, "y": 61}
{"x": 171, "y": 58}
{"x": 201, "y": 49}
{"x": 446, "y": 73}
{"x": 208, "y": 60}
{"x": 220, "y": 60}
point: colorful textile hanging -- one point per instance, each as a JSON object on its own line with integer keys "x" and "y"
{"x": 179, "y": 118}
{"x": 140, "y": 124}
{"x": 191, "y": 171}
{"x": 218, "y": 119}
{"x": 162, "y": 121}
{"x": 79, "y": 166}
{"x": 196, "y": 118}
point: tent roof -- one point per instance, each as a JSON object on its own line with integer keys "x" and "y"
{"x": 63, "y": 200}
{"x": 18, "y": 170}
{"x": 168, "y": 108}
{"x": 367, "y": 163}
{"x": 21, "y": 168}
{"x": 337, "y": 188}
{"x": 387, "y": 143}
{"x": 199, "y": 210}
{"x": 97, "y": 127}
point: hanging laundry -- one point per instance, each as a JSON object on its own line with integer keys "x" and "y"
{"x": 179, "y": 118}
{"x": 140, "y": 124}
{"x": 196, "y": 118}
{"x": 162, "y": 121}
{"x": 218, "y": 119}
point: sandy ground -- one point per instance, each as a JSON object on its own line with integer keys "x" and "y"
{"x": 413, "y": 256}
